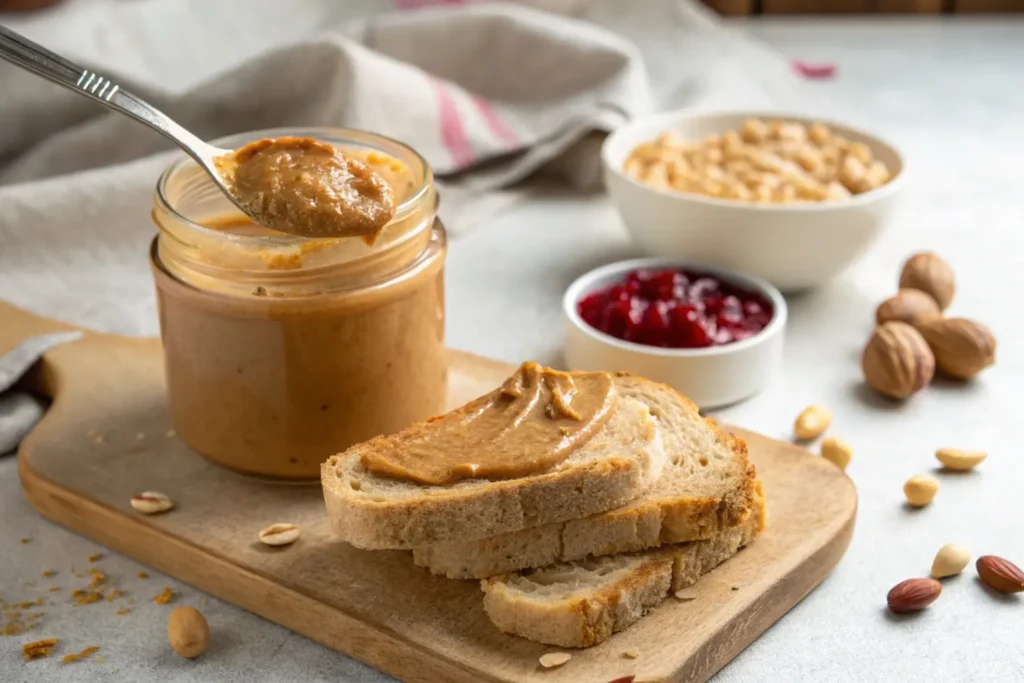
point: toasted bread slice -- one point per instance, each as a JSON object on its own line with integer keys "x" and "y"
{"x": 707, "y": 487}
{"x": 619, "y": 463}
{"x": 581, "y": 604}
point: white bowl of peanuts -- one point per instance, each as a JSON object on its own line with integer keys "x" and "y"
{"x": 790, "y": 199}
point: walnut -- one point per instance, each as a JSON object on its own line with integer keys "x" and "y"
{"x": 897, "y": 361}
{"x": 928, "y": 273}
{"x": 962, "y": 347}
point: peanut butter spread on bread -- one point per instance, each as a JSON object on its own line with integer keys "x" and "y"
{"x": 308, "y": 187}
{"x": 528, "y": 425}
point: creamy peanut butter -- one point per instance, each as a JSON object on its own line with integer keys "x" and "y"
{"x": 310, "y": 188}
{"x": 534, "y": 421}
{"x": 282, "y": 351}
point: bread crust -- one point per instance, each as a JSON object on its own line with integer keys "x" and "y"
{"x": 659, "y": 518}
{"x": 585, "y": 620}
{"x": 489, "y": 508}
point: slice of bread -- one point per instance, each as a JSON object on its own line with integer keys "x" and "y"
{"x": 581, "y": 604}
{"x": 707, "y": 487}
{"x": 619, "y": 463}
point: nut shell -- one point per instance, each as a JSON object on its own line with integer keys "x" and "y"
{"x": 929, "y": 273}
{"x": 906, "y": 306}
{"x": 962, "y": 347}
{"x": 897, "y": 361}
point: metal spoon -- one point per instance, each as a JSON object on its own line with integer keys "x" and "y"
{"x": 21, "y": 51}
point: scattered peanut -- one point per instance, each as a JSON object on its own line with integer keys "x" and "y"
{"x": 837, "y": 451}
{"x": 950, "y": 560}
{"x": 778, "y": 161}
{"x": 812, "y": 422}
{"x": 553, "y": 659}
{"x": 188, "y": 632}
{"x": 152, "y": 502}
{"x": 961, "y": 461}
{"x": 920, "y": 489}
{"x": 686, "y": 594}
{"x": 279, "y": 534}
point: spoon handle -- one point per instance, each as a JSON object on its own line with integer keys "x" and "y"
{"x": 21, "y": 51}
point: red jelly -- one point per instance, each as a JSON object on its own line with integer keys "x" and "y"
{"x": 678, "y": 309}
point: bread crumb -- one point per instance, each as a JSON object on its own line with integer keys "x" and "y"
{"x": 26, "y": 540}
{"x": 166, "y": 596}
{"x": 54, "y": 589}
{"x": 83, "y": 597}
{"x": 114, "y": 594}
{"x": 142, "y": 575}
{"x": 74, "y": 657}
{"x": 630, "y": 654}
{"x": 686, "y": 594}
{"x": 735, "y": 588}
{"x": 95, "y": 557}
{"x": 48, "y": 573}
{"x": 122, "y": 612}
{"x": 38, "y": 649}
{"x": 98, "y": 578}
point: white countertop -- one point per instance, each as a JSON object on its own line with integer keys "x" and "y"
{"x": 949, "y": 93}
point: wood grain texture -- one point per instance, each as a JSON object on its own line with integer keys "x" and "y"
{"x": 987, "y": 6}
{"x": 376, "y": 606}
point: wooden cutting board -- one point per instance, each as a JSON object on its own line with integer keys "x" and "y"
{"x": 107, "y": 436}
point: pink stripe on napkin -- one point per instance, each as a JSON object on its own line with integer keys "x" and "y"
{"x": 452, "y": 132}
{"x": 494, "y": 122}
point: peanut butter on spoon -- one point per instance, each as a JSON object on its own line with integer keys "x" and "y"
{"x": 534, "y": 421}
{"x": 309, "y": 188}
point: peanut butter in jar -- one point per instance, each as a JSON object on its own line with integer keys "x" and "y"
{"x": 281, "y": 350}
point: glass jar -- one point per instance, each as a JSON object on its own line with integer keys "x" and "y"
{"x": 281, "y": 351}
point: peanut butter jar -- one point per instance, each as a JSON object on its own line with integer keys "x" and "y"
{"x": 280, "y": 350}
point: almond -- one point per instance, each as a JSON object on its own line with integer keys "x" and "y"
{"x": 962, "y": 347}
{"x": 930, "y": 274}
{"x": 906, "y": 306}
{"x": 913, "y": 595}
{"x": 1001, "y": 575}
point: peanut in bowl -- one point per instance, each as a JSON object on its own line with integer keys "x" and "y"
{"x": 791, "y": 199}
